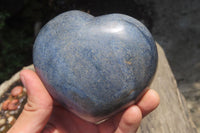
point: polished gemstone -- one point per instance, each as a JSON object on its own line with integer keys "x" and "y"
{"x": 95, "y": 66}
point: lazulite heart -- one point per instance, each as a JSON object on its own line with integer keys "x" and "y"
{"x": 95, "y": 66}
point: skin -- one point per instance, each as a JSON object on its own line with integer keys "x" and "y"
{"x": 42, "y": 115}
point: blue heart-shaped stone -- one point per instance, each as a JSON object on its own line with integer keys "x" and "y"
{"x": 95, "y": 66}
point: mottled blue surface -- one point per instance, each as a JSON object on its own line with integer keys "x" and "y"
{"x": 94, "y": 66}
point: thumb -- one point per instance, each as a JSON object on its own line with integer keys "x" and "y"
{"x": 38, "y": 108}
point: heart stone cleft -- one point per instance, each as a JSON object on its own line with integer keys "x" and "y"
{"x": 95, "y": 66}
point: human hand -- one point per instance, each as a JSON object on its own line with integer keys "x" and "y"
{"x": 41, "y": 114}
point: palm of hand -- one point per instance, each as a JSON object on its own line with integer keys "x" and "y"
{"x": 40, "y": 114}
{"x": 63, "y": 121}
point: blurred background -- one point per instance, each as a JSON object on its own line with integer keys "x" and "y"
{"x": 175, "y": 25}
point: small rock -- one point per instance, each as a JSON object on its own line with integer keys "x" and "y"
{"x": 21, "y": 99}
{"x": 11, "y": 120}
{"x": 3, "y": 129}
{"x": 13, "y": 112}
{"x": 1, "y": 107}
{"x": 17, "y": 91}
{"x": 2, "y": 122}
{"x": 13, "y": 105}
{"x": 6, "y": 113}
{"x": 5, "y": 104}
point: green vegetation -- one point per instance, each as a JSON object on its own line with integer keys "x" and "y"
{"x": 16, "y": 48}
{"x": 3, "y": 16}
{"x": 17, "y": 37}
{"x": 18, "y": 19}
